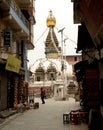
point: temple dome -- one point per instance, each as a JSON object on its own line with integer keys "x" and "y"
{"x": 45, "y": 63}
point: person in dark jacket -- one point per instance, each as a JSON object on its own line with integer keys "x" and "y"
{"x": 42, "y": 95}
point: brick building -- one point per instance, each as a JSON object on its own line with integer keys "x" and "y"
{"x": 16, "y": 37}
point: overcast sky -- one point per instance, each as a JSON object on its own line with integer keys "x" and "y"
{"x": 63, "y": 12}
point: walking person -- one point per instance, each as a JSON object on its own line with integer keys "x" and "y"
{"x": 42, "y": 95}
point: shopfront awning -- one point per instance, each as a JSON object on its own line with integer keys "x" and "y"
{"x": 84, "y": 39}
{"x": 80, "y": 65}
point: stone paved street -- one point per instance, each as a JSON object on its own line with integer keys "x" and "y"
{"x": 49, "y": 116}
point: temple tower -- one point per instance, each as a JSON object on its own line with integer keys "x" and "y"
{"x": 51, "y": 43}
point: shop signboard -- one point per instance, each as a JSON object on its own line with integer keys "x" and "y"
{"x": 13, "y": 64}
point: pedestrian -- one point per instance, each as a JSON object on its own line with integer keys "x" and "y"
{"x": 42, "y": 95}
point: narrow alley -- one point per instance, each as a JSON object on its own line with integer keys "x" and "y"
{"x": 49, "y": 116}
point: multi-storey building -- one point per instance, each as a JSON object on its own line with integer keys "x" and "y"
{"x": 17, "y": 18}
{"x": 89, "y": 14}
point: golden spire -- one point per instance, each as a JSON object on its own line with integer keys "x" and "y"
{"x": 51, "y": 21}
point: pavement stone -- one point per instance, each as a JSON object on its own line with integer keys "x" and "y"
{"x": 7, "y": 113}
{"x": 48, "y": 116}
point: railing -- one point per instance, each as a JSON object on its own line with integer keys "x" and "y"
{"x": 15, "y": 7}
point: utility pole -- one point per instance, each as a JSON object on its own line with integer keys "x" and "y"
{"x": 61, "y": 31}
{"x": 62, "y": 60}
{"x": 65, "y": 77}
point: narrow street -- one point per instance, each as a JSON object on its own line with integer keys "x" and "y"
{"x": 49, "y": 116}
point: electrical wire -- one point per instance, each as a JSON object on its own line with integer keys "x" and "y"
{"x": 57, "y": 30}
{"x": 41, "y": 36}
{"x": 67, "y": 36}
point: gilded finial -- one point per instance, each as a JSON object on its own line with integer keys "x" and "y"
{"x": 51, "y": 21}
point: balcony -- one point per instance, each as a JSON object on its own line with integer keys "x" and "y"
{"x": 14, "y": 18}
{"x": 24, "y": 3}
{"x": 4, "y": 56}
{"x": 28, "y": 5}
